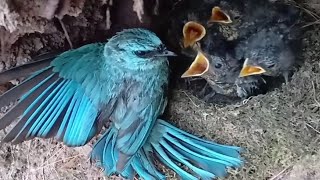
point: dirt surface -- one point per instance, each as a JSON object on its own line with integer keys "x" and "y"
{"x": 279, "y": 131}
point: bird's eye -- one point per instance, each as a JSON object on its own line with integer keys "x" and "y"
{"x": 271, "y": 66}
{"x": 218, "y": 65}
{"x": 141, "y": 53}
{"x": 236, "y": 17}
{"x": 269, "y": 63}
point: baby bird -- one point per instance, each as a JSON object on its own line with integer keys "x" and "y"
{"x": 189, "y": 21}
{"x": 268, "y": 52}
{"x": 249, "y": 16}
{"x": 230, "y": 43}
{"x": 216, "y": 63}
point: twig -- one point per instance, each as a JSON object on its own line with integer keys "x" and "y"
{"x": 56, "y": 172}
{"x": 43, "y": 174}
{"x": 314, "y": 94}
{"x": 190, "y": 99}
{"x": 55, "y": 154}
{"x": 2, "y": 49}
{"x": 28, "y": 159}
{"x": 276, "y": 177}
{"x": 40, "y": 167}
{"x": 311, "y": 13}
{"x": 246, "y": 100}
{"x": 311, "y": 24}
{"x": 312, "y": 128}
{"x": 65, "y": 33}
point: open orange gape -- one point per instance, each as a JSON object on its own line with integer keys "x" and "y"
{"x": 198, "y": 67}
{"x": 192, "y": 33}
{"x": 248, "y": 70}
{"x": 219, "y": 16}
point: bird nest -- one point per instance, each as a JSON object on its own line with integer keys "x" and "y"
{"x": 279, "y": 130}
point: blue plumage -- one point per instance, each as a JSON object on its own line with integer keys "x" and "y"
{"x": 173, "y": 147}
{"x": 82, "y": 88}
{"x": 123, "y": 80}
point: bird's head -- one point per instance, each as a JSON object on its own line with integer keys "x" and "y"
{"x": 268, "y": 54}
{"x": 137, "y": 48}
{"x": 215, "y": 61}
{"x": 215, "y": 69}
{"x": 259, "y": 65}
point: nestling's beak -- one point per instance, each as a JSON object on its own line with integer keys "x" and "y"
{"x": 192, "y": 33}
{"x": 219, "y": 16}
{"x": 248, "y": 70}
{"x": 198, "y": 67}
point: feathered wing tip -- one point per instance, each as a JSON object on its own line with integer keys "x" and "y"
{"x": 206, "y": 160}
{"x": 49, "y": 106}
{"x": 38, "y": 63}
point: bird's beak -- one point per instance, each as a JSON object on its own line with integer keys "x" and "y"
{"x": 219, "y": 16}
{"x": 166, "y": 53}
{"x": 198, "y": 67}
{"x": 192, "y": 33}
{"x": 248, "y": 70}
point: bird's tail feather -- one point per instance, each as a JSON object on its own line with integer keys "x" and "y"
{"x": 102, "y": 151}
{"x": 174, "y": 147}
{"x": 143, "y": 164}
{"x": 171, "y": 147}
{"x": 106, "y": 156}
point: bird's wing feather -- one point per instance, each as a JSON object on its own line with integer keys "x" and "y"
{"x": 27, "y": 70}
{"x": 16, "y": 92}
{"x": 63, "y": 101}
{"x": 136, "y": 115}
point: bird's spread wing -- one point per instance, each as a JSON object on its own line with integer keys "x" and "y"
{"x": 135, "y": 116}
{"x": 40, "y": 62}
{"x": 61, "y": 100}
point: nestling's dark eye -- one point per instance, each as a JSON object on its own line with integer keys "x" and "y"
{"x": 236, "y": 17}
{"x": 271, "y": 65}
{"x": 218, "y": 65}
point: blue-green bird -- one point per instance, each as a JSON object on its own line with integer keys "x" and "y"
{"x": 124, "y": 80}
